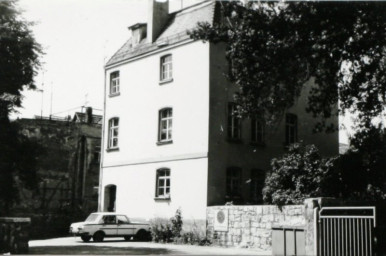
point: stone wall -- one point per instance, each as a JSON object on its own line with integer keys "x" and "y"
{"x": 251, "y": 226}
{"x": 14, "y": 235}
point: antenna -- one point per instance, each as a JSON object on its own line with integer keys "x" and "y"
{"x": 52, "y": 93}
{"x": 42, "y": 91}
{"x": 85, "y": 100}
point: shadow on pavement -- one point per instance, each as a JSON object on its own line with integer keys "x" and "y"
{"x": 101, "y": 250}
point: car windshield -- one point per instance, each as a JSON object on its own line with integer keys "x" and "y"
{"x": 92, "y": 217}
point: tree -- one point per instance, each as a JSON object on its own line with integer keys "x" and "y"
{"x": 301, "y": 173}
{"x": 362, "y": 167}
{"x": 274, "y": 48}
{"x": 19, "y": 61}
{"x": 19, "y": 53}
{"x": 359, "y": 174}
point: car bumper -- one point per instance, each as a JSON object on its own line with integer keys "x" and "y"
{"x": 78, "y": 233}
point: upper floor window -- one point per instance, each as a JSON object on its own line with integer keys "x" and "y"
{"x": 163, "y": 183}
{"x": 165, "y": 125}
{"x": 257, "y": 129}
{"x": 233, "y": 182}
{"x": 114, "y": 83}
{"x": 291, "y": 128}
{"x": 234, "y": 122}
{"x": 166, "y": 68}
{"x": 113, "y": 132}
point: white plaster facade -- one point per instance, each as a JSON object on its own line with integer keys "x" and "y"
{"x": 133, "y": 167}
{"x": 200, "y": 152}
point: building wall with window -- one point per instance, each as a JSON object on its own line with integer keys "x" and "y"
{"x": 136, "y": 189}
{"x": 173, "y": 107}
{"x": 145, "y": 103}
{"x": 252, "y": 158}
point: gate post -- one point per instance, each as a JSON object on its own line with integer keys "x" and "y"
{"x": 311, "y": 227}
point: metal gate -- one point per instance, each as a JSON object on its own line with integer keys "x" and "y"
{"x": 346, "y": 231}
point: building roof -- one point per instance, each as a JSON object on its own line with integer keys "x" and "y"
{"x": 136, "y": 25}
{"x": 175, "y": 31}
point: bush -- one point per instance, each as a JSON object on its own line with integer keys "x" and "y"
{"x": 168, "y": 230}
{"x": 362, "y": 167}
{"x": 301, "y": 173}
{"x": 161, "y": 230}
{"x": 177, "y": 224}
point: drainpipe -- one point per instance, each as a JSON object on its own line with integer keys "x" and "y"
{"x": 100, "y": 209}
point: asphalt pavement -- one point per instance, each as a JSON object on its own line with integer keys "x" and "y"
{"x": 118, "y": 246}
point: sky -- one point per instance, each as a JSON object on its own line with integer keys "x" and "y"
{"x": 78, "y": 38}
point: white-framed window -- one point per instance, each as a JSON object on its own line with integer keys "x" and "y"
{"x": 291, "y": 128}
{"x": 257, "y": 129}
{"x": 113, "y": 132}
{"x": 166, "y": 72}
{"x": 114, "y": 83}
{"x": 233, "y": 182}
{"x": 234, "y": 122}
{"x": 165, "y": 125}
{"x": 163, "y": 183}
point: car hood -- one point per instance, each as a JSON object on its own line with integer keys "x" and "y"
{"x": 77, "y": 224}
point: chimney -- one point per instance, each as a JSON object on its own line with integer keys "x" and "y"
{"x": 158, "y": 14}
{"x": 88, "y": 115}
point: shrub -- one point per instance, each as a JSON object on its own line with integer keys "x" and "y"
{"x": 193, "y": 235}
{"x": 161, "y": 230}
{"x": 301, "y": 173}
{"x": 177, "y": 224}
{"x": 168, "y": 230}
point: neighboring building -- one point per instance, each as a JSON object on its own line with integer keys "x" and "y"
{"x": 68, "y": 163}
{"x": 170, "y": 140}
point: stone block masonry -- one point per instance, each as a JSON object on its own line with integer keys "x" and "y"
{"x": 251, "y": 226}
{"x": 14, "y": 235}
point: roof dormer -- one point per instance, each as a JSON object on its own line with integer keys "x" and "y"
{"x": 138, "y": 32}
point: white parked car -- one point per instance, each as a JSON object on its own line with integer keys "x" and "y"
{"x": 110, "y": 224}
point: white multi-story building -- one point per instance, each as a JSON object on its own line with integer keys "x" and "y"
{"x": 169, "y": 138}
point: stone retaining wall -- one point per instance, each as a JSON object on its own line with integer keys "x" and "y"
{"x": 251, "y": 226}
{"x": 14, "y": 235}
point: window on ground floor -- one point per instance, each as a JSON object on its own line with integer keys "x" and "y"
{"x": 256, "y": 185}
{"x": 233, "y": 182}
{"x": 163, "y": 183}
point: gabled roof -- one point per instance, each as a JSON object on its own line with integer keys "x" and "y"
{"x": 175, "y": 30}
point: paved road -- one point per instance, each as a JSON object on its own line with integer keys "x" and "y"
{"x": 117, "y": 246}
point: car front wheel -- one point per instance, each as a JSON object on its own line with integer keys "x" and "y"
{"x": 98, "y": 236}
{"x": 85, "y": 238}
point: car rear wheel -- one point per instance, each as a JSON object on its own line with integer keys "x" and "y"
{"x": 98, "y": 236}
{"x": 142, "y": 235}
{"x": 85, "y": 238}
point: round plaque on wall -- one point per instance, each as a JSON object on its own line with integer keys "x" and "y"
{"x": 220, "y": 216}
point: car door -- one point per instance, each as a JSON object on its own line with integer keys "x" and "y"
{"x": 109, "y": 225}
{"x": 125, "y": 228}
